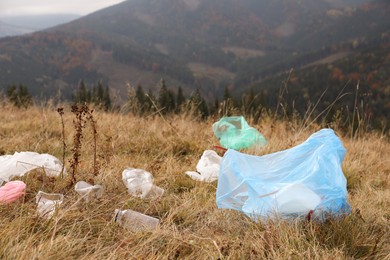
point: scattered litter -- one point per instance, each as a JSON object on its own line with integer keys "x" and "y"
{"x": 48, "y": 203}
{"x": 135, "y": 221}
{"x": 235, "y": 133}
{"x": 11, "y": 191}
{"x": 18, "y": 164}
{"x": 88, "y": 191}
{"x": 304, "y": 181}
{"x": 207, "y": 167}
{"x": 139, "y": 183}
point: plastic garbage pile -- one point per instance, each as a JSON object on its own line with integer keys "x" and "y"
{"x": 235, "y": 133}
{"x": 207, "y": 168}
{"x": 138, "y": 182}
{"x": 19, "y": 164}
{"x": 304, "y": 181}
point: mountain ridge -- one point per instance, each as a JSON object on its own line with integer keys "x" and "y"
{"x": 165, "y": 38}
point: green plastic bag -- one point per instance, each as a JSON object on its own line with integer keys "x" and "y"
{"x": 235, "y": 133}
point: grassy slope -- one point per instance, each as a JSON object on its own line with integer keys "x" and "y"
{"x": 192, "y": 226}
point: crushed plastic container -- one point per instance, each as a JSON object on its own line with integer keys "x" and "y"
{"x": 235, "y": 133}
{"x": 139, "y": 183}
{"x": 18, "y": 164}
{"x": 11, "y": 191}
{"x": 48, "y": 203}
{"x": 207, "y": 167}
{"x": 88, "y": 191}
{"x": 306, "y": 179}
{"x": 135, "y": 221}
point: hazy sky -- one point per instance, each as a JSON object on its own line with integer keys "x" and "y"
{"x": 34, "y": 7}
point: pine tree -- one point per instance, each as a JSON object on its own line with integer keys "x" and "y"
{"x": 199, "y": 104}
{"x": 12, "y": 94}
{"x": 24, "y": 96}
{"x": 100, "y": 93}
{"x": 226, "y": 94}
{"x": 171, "y": 105}
{"x": 250, "y": 102}
{"x": 166, "y": 99}
{"x": 149, "y": 100}
{"x": 94, "y": 94}
{"x": 81, "y": 93}
{"x": 88, "y": 96}
{"x": 227, "y": 104}
{"x": 107, "y": 99}
{"x": 216, "y": 105}
{"x": 141, "y": 99}
{"x": 162, "y": 94}
{"x": 180, "y": 99}
{"x": 19, "y": 96}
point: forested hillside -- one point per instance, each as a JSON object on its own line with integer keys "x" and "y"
{"x": 358, "y": 83}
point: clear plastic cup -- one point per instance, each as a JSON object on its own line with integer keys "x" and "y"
{"x": 48, "y": 203}
{"x": 135, "y": 221}
{"x": 155, "y": 192}
{"x": 88, "y": 191}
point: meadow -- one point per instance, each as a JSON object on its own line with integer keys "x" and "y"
{"x": 192, "y": 227}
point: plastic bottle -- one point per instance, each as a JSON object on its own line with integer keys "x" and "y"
{"x": 135, "y": 221}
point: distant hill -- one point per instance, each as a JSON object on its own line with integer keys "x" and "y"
{"x": 356, "y": 83}
{"x": 11, "y": 30}
{"x": 206, "y": 43}
{"x": 18, "y": 25}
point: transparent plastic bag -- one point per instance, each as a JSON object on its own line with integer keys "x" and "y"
{"x": 306, "y": 179}
{"x": 139, "y": 183}
{"x": 235, "y": 133}
{"x": 207, "y": 167}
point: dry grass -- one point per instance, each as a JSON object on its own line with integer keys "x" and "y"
{"x": 191, "y": 225}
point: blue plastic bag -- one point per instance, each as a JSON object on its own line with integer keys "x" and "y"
{"x": 234, "y": 133}
{"x": 306, "y": 180}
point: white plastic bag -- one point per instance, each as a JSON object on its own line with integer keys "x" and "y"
{"x": 139, "y": 183}
{"x": 18, "y": 164}
{"x": 88, "y": 191}
{"x": 207, "y": 167}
